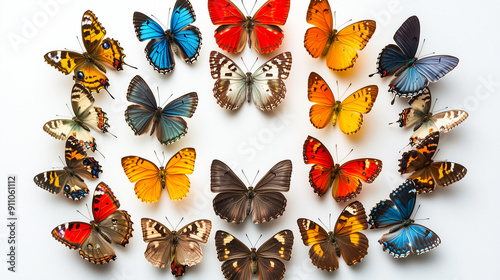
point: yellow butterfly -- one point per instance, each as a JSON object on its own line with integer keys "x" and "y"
{"x": 88, "y": 66}
{"x": 348, "y": 113}
{"x": 338, "y": 47}
{"x": 151, "y": 180}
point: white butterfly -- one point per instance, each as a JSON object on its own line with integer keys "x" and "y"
{"x": 265, "y": 86}
{"x": 86, "y": 117}
{"x": 419, "y": 114}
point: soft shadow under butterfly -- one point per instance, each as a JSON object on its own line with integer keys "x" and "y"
{"x": 338, "y": 47}
{"x": 261, "y": 29}
{"x": 69, "y": 180}
{"x": 110, "y": 225}
{"x": 86, "y": 117}
{"x": 405, "y": 235}
{"x": 426, "y": 173}
{"x": 266, "y": 86}
{"x": 348, "y": 113}
{"x": 411, "y": 74}
{"x": 345, "y": 239}
{"x": 167, "y": 121}
{"x": 151, "y": 180}
{"x": 234, "y": 201}
{"x": 240, "y": 262}
{"x": 175, "y": 248}
{"x": 345, "y": 179}
{"x": 88, "y": 67}
{"x": 419, "y": 114}
{"x": 182, "y": 38}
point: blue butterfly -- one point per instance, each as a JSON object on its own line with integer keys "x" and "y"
{"x": 412, "y": 75}
{"x": 181, "y": 38}
{"x": 167, "y": 122}
{"x": 405, "y": 236}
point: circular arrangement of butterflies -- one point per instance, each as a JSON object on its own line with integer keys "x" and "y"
{"x": 233, "y": 200}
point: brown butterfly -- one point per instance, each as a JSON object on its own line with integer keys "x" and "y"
{"x": 239, "y": 262}
{"x": 234, "y": 201}
{"x": 344, "y": 240}
{"x": 426, "y": 173}
{"x": 177, "y": 248}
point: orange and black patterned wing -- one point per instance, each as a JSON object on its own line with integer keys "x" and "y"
{"x": 321, "y": 176}
{"x": 323, "y": 251}
{"x": 323, "y": 111}
{"x": 316, "y": 38}
{"x": 147, "y": 175}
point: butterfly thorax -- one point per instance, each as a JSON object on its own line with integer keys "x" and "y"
{"x": 253, "y": 257}
{"x": 249, "y": 23}
{"x": 331, "y": 38}
{"x": 248, "y": 85}
{"x": 337, "y": 107}
{"x": 162, "y": 175}
{"x": 335, "y": 171}
{"x": 250, "y": 193}
{"x": 92, "y": 60}
{"x": 156, "y": 119}
{"x": 97, "y": 229}
{"x": 78, "y": 121}
{"x": 405, "y": 224}
{"x": 334, "y": 241}
{"x": 175, "y": 240}
{"x": 169, "y": 35}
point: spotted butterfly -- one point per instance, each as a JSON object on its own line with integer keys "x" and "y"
{"x": 69, "y": 180}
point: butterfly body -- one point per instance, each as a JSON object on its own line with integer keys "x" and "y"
{"x": 110, "y": 225}
{"x": 404, "y": 236}
{"x": 261, "y": 30}
{"x": 178, "y": 248}
{"x": 344, "y": 240}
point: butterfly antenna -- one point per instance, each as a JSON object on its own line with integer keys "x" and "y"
{"x": 336, "y": 153}
{"x": 70, "y": 112}
{"x": 344, "y": 23}
{"x": 404, "y": 147}
{"x": 248, "y": 238}
{"x": 257, "y": 241}
{"x": 106, "y": 89}
{"x": 330, "y": 221}
{"x": 257, "y": 58}
{"x": 244, "y": 64}
{"x": 323, "y": 224}
{"x": 335, "y": 18}
{"x": 345, "y": 90}
{"x": 82, "y": 214}
{"x": 61, "y": 160}
{"x": 171, "y": 226}
{"x": 168, "y": 18}
{"x": 158, "y": 159}
{"x": 100, "y": 152}
{"x": 245, "y": 177}
{"x": 80, "y": 43}
{"x": 255, "y": 177}
{"x": 166, "y": 101}
{"x": 423, "y": 43}
{"x": 179, "y": 223}
{"x": 416, "y": 211}
{"x": 347, "y": 155}
{"x": 130, "y": 65}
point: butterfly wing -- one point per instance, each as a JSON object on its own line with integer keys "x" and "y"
{"x": 75, "y": 235}
{"x": 187, "y": 38}
{"x": 320, "y": 93}
{"x": 414, "y": 238}
{"x": 435, "y": 67}
{"x": 266, "y": 36}
{"x": 341, "y": 54}
{"x": 149, "y": 185}
{"x": 322, "y": 252}
{"x": 319, "y": 14}
{"x": 353, "y": 245}
{"x": 231, "y": 35}
{"x": 360, "y": 102}
{"x": 442, "y": 122}
{"x": 140, "y": 116}
{"x": 229, "y": 88}
{"x": 54, "y": 181}
{"x": 64, "y": 61}
{"x": 271, "y": 254}
{"x": 396, "y": 210}
{"x": 350, "y": 176}
{"x": 188, "y": 251}
{"x": 231, "y": 202}
{"x": 439, "y": 174}
{"x": 268, "y": 88}
{"x": 172, "y": 126}
{"x": 89, "y": 116}
{"x": 321, "y": 175}
{"x": 61, "y": 129}
{"x": 160, "y": 241}
{"x": 176, "y": 181}
{"x": 420, "y": 106}
{"x": 408, "y": 36}
{"x": 269, "y": 203}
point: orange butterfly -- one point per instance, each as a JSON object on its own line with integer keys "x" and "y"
{"x": 338, "y": 47}
{"x": 151, "y": 180}
{"x": 348, "y": 112}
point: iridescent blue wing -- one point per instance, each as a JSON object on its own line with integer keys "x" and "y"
{"x": 415, "y": 238}
{"x": 408, "y": 36}
{"x": 186, "y": 37}
{"x": 435, "y": 67}
{"x": 391, "y": 61}
{"x": 404, "y": 197}
{"x": 397, "y": 210}
{"x": 408, "y": 83}
{"x": 158, "y": 50}
{"x": 172, "y": 126}
{"x": 140, "y": 116}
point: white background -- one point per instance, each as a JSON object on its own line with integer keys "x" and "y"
{"x": 464, "y": 214}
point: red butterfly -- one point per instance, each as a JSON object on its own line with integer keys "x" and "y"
{"x": 346, "y": 178}
{"x": 109, "y": 225}
{"x": 262, "y": 29}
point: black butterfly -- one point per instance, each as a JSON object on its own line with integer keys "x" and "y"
{"x": 241, "y": 262}
{"x": 264, "y": 201}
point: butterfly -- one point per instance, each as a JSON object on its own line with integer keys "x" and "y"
{"x": 345, "y": 179}
{"x": 167, "y": 122}
{"x": 345, "y": 239}
{"x": 151, "y": 180}
{"x": 69, "y": 180}
{"x": 405, "y": 235}
{"x": 265, "y": 86}
{"x": 88, "y": 67}
{"x": 178, "y": 248}
{"x": 338, "y": 47}
{"x": 348, "y": 112}
{"x": 411, "y": 74}
{"x": 182, "y": 38}
{"x": 262, "y": 30}
{"x": 86, "y": 117}
{"x": 239, "y": 262}
{"x": 234, "y": 201}
{"x": 425, "y": 122}
{"x": 110, "y": 225}
{"x": 426, "y": 173}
